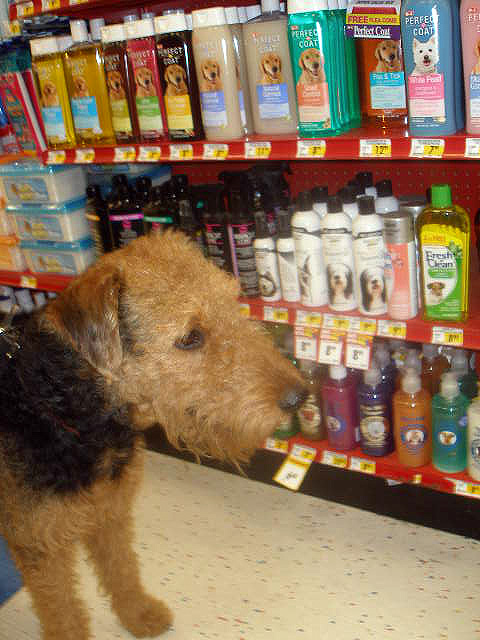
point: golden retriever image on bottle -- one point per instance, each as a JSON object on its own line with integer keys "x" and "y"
{"x": 476, "y": 66}
{"x": 50, "y": 95}
{"x": 116, "y": 90}
{"x": 210, "y": 77}
{"x": 388, "y": 55}
{"x": 80, "y": 88}
{"x": 145, "y": 87}
{"x": 271, "y": 69}
{"x": 312, "y": 64}
{"x": 175, "y": 78}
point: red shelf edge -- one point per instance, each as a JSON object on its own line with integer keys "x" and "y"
{"x": 41, "y": 281}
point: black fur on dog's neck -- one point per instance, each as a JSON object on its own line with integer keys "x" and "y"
{"x": 57, "y": 431}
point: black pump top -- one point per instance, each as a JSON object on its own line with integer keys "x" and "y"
{"x": 355, "y": 184}
{"x": 365, "y": 178}
{"x": 348, "y": 194}
{"x": 283, "y": 224}
{"x": 304, "y": 201}
{"x": 334, "y": 205}
{"x": 384, "y": 188}
{"x": 319, "y": 194}
{"x": 261, "y": 225}
{"x": 366, "y": 205}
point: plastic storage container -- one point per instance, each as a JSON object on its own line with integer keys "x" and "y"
{"x": 57, "y": 222}
{"x": 11, "y": 258}
{"x": 35, "y": 184}
{"x": 67, "y": 258}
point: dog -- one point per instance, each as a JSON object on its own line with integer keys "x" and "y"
{"x": 425, "y": 56}
{"x": 266, "y": 284}
{"x": 50, "y": 95}
{"x": 435, "y": 292}
{"x": 312, "y": 64}
{"x": 372, "y": 287}
{"x": 145, "y": 88}
{"x": 80, "y": 88}
{"x": 271, "y": 69}
{"x": 175, "y": 79}
{"x": 305, "y": 279}
{"x": 115, "y": 86}
{"x": 387, "y": 53}
{"x": 210, "y": 79}
{"x": 152, "y": 333}
{"x": 340, "y": 284}
{"x": 476, "y": 66}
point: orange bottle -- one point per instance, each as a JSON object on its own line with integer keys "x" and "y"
{"x": 433, "y": 365}
{"x": 412, "y": 421}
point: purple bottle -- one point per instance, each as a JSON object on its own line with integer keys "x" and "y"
{"x": 339, "y": 394}
{"x": 374, "y": 402}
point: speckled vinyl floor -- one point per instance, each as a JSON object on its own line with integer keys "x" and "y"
{"x": 240, "y": 560}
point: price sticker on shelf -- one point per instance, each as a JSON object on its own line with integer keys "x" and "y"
{"x": 447, "y": 335}
{"x": 361, "y": 325}
{"x": 381, "y": 148}
{"x": 50, "y": 5}
{"x": 334, "y": 459}
{"x": 275, "y": 444}
{"x": 149, "y": 154}
{"x": 358, "y": 349}
{"x": 72, "y": 3}
{"x": 28, "y": 282}
{"x": 124, "y": 154}
{"x": 391, "y": 329}
{"x": 472, "y": 148}
{"x": 360, "y": 464}
{"x": 275, "y": 314}
{"x": 342, "y": 323}
{"x": 245, "y": 309}
{"x": 331, "y": 347}
{"x": 469, "y": 489}
{"x": 215, "y": 151}
{"x": 181, "y": 152}
{"x": 311, "y": 149}
{"x": 56, "y": 157}
{"x": 308, "y": 318}
{"x": 15, "y": 28}
{"x": 306, "y": 343}
{"x": 25, "y": 10}
{"x": 258, "y": 149}
{"x": 295, "y": 467}
{"x": 427, "y": 148}
{"x": 84, "y": 156}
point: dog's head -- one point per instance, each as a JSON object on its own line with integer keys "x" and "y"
{"x": 425, "y": 54}
{"x": 271, "y": 65}
{"x": 115, "y": 81}
{"x": 372, "y": 284}
{"x": 144, "y": 78}
{"x": 388, "y": 52}
{"x": 340, "y": 281}
{"x": 436, "y": 288}
{"x": 49, "y": 91}
{"x": 211, "y": 70}
{"x": 161, "y": 328}
{"x": 80, "y": 85}
{"x": 311, "y": 60}
{"x": 175, "y": 75}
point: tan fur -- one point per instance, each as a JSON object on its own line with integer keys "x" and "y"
{"x": 175, "y": 77}
{"x": 210, "y": 79}
{"x": 311, "y": 63}
{"x": 383, "y": 52}
{"x": 80, "y": 88}
{"x": 49, "y": 95}
{"x": 476, "y": 66}
{"x": 271, "y": 69}
{"x": 144, "y": 83}
{"x": 115, "y": 86}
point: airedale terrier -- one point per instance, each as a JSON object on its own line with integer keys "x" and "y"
{"x": 149, "y": 334}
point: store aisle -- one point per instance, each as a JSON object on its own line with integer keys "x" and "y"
{"x": 241, "y": 560}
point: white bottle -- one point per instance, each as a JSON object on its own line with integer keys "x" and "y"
{"x": 369, "y": 257}
{"x": 319, "y": 200}
{"x": 308, "y": 251}
{"x": 336, "y": 229}
{"x": 386, "y": 201}
{"x": 215, "y": 64}
{"x": 473, "y": 439}
{"x": 287, "y": 265}
{"x": 266, "y": 260}
{"x": 348, "y": 196}
{"x": 233, "y": 20}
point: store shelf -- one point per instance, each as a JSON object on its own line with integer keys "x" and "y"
{"x": 359, "y": 144}
{"x": 384, "y": 467}
{"x": 27, "y": 280}
{"x": 64, "y": 7}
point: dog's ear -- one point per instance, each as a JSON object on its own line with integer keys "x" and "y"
{"x": 218, "y": 69}
{"x": 349, "y": 287}
{"x": 301, "y": 63}
{"x": 415, "y": 44}
{"x": 377, "y": 52}
{"x": 184, "y": 75}
{"x": 86, "y": 315}
{"x": 279, "y": 63}
{"x": 165, "y": 75}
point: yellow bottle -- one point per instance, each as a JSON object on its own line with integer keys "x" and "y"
{"x": 52, "y": 93}
{"x": 443, "y": 231}
{"x": 87, "y": 89}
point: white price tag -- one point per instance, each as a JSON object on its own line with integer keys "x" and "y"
{"x": 181, "y": 152}
{"x": 330, "y": 352}
{"x": 447, "y": 335}
{"x": 274, "y": 444}
{"x": 381, "y": 148}
{"x": 295, "y": 467}
{"x": 26, "y": 9}
{"x": 84, "y": 156}
{"x": 306, "y": 346}
{"x": 362, "y": 325}
{"x": 311, "y": 148}
{"x": 258, "y": 149}
{"x": 275, "y": 314}
{"x": 28, "y": 282}
{"x": 56, "y": 157}
{"x": 467, "y": 489}
{"x": 427, "y": 148}
{"x": 341, "y": 323}
{"x": 365, "y": 466}
{"x": 391, "y": 329}
{"x": 215, "y": 151}
{"x": 335, "y": 459}
{"x": 50, "y": 5}
{"x": 124, "y": 154}
{"x": 357, "y": 356}
{"x": 472, "y": 148}
{"x": 149, "y": 154}
{"x": 308, "y": 318}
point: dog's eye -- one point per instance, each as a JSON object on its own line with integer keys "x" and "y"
{"x": 192, "y": 340}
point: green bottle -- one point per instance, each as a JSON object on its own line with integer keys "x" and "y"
{"x": 337, "y": 37}
{"x": 351, "y": 70}
{"x": 449, "y": 422}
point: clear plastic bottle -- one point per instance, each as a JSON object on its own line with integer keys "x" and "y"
{"x": 339, "y": 395}
{"x": 473, "y": 439}
{"x": 376, "y": 434}
{"x": 433, "y": 366}
{"x": 310, "y": 413}
{"x": 286, "y": 259}
{"x": 467, "y": 379}
{"x": 449, "y": 408}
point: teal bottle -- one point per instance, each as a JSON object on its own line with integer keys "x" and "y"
{"x": 449, "y": 418}
{"x": 352, "y": 71}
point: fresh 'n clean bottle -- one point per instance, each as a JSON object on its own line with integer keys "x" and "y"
{"x": 449, "y": 408}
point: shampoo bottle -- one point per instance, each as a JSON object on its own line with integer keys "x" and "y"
{"x": 348, "y": 196}
{"x": 266, "y": 260}
{"x": 433, "y": 366}
{"x": 385, "y": 201}
{"x": 319, "y": 200}
{"x": 473, "y": 439}
{"x": 287, "y": 265}
{"x": 233, "y": 20}
{"x": 310, "y": 414}
{"x": 388, "y": 370}
{"x": 467, "y": 379}
{"x": 449, "y": 408}
{"x": 470, "y": 23}
{"x": 340, "y": 408}
{"x": 376, "y": 435}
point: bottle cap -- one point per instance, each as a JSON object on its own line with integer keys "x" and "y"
{"x": 79, "y": 30}
{"x": 459, "y": 363}
{"x": 382, "y": 355}
{"x": 213, "y": 17}
{"x": 412, "y": 360}
{"x": 64, "y": 42}
{"x": 304, "y": 201}
{"x": 411, "y": 382}
{"x": 365, "y": 178}
{"x": 43, "y": 46}
{"x": 366, "y": 205}
{"x": 268, "y": 6}
{"x": 139, "y": 29}
{"x": 168, "y": 12}
{"x": 232, "y": 15}
{"x": 429, "y": 350}
{"x": 242, "y": 14}
{"x": 398, "y": 227}
{"x": 334, "y": 205}
{"x": 337, "y": 371}
{"x": 148, "y": 14}
{"x": 355, "y": 184}
{"x": 96, "y": 25}
{"x": 253, "y": 11}
{"x": 283, "y": 223}
{"x": 113, "y": 33}
{"x": 449, "y": 385}
{"x": 384, "y": 188}
{"x": 348, "y": 194}
{"x": 131, "y": 17}
{"x": 170, "y": 23}
{"x": 319, "y": 194}
{"x": 441, "y": 196}
{"x": 372, "y": 377}
{"x": 261, "y": 225}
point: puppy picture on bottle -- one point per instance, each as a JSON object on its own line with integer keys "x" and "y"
{"x": 272, "y": 90}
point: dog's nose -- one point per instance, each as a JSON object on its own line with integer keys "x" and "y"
{"x": 392, "y": 56}
{"x": 315, "y": 65}
{"x": 213, "y": 74}
{"x": 274, "y": 69}
{"x": 293, "y": 398}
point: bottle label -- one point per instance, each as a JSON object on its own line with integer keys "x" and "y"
{"x": 82, "y": 98}
{"x": 179, "y": 112}
{"x": 337, "y": 253}
{"x": 310, "y": 417}
{"x": 374, "y": 425}
{"x": 444, "y": 254}
{"x": 288, "y": 275}
{"x": 174, "y": 78}
{"x": 401, "y": 280}
{"x": 413, "y": 436}
{"x": 310, "y": 267}
{"x": 51, "y": 86}
{"x": 273, "y": 101}
{"x": 85, "y": 114}
{"x": 143, "y": 59}
{"x": 214, "y": 113}
{"x": 268, "y": 276}
{"x": 243, "y": 237}
{"x": 117, "y": 94}
{"x": 216, "y": 244}
{"x": 369, "y": 252}
{"x": 475, "y": 96}
{"x": 387, "y": 89}
{"x": 427, "y": 96}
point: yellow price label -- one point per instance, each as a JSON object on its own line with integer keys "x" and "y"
{"x": 262, "y": 152}
{"x": 315, "y": 320}
{"x": 453, "y": 338}
{"x": 368, "y": 326}
{"x": 397, "y": 331}
{"x": 364, "y": 466}
{"x": 427, "y": 147}
{"x": 341, "y": 323}
{"x": 124, "y": 154}
{"x": 339, "y": 461}
{"x": 473, "y": 489}
{"x": 257, "y": 149}
{"x": 56, "y": 157}
{"x": 245, "y": 310}
{"x": 448, "y": 336}
{"x": 367, "y": 467}
{"x": 28, "y": 282}
{"x": 389, "y": 329}
{"x": 25, "y": 10}
{"x": 381, "y": 148}
{"x": 149, "y": 154}
{"x": 275, "y": 444}
{"x": 181, "y": 152}
{"x": 15, "y": 28}
{"x": 84, "y": 155}
{"x": 280, "y": 315}
{"x": 432, "y": 150}
{"x": 50, "y": 5}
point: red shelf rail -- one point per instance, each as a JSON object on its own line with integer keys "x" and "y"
{"x": 43, "y": 282}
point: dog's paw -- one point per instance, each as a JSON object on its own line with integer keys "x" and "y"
{"x": 145, "y": 617}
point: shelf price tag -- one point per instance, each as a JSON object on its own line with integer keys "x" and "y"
{"x": 365, "y": 466}
{"x": 245, "y": 309}
{"x": 334, "y": 459}
{"x": 447, "y": 335}
{"x": 472, "y": 148}
{"x": 392, "y": 329}
{"x": 25, "y": 10}
{"x": 427, "y": 148}
{"x": 124, "y": 154}
{"x": 331, "y": 347}
{"x": 306, "y": 343}
{"x": 311, "y": 149}
{"x": 469, "y": 489}
{"x": 342, "y": 323}
{"x": 28, "y": 282}
{"x": 72, "y": 3}
{"x": 358, "y": 351}
{"x": 362, "y": 325}
{"x": 15, "y": 28}
{"x": 50, "y": 5}
{"x": 215, "y": 151}
{"x": 275, "y": 444}
{"x": 275, "y": 314}
{"x": 56, "y": 157}
{"x": 84, "y": 156}
{"x": 258, "y": 149}
{"x": 181, "y": 152}
{"x": 295, "y": 466}
{"x": 308, "y": 318}
{"x": 149, "y": 154}
{"x": 381, "y": 148}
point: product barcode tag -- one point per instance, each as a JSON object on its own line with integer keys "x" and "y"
{"x": 275, "y": 314}
{"x": 215, "y": 151}
{"x": 26, "y": 9}
{"x": 50, "y": 5}
{"x": 331, "y": 347}
{"x": 341, "y": 323}
{"x": 149, "y": 154}
{"x": 392, "y": 329}
{"x": 334, "y": 459}
{"x": 245, "y": 309}
{"x": 306, "y": 343}
{"x": 427, "y": 148}
{"x": 381, "y": 148}
{"x": 472, "y": 148}
{"x": 124, "y": 154}
{"x": 275, "y": 444}
{"x": 56, "y": 157}
{"x": 311, "y": 149}
{"x": 447, "y": 335}
{"x": 365, "y": 466}
{"x": 181, "y": 152}
{"x": 361, "y": 325}
{"x": 469, "y": 489}
{"x": 258, "y": 149}
{"x": 358, "y": 351}
{"x": 308, "y": 318}
{"x": 295, "y": 466}
{"x": 28, "y": 282}
{"x": 84, "y": 156}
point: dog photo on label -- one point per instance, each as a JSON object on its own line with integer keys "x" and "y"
{"x": 425, "y": 56}
{"x": 271, "y": 68}
{"x": 312, "y": 65}
{"x": 372, "y": 285}
{"x": 340, "y": 284}
{"x": 210, "y": 76}
{"x": 388, "y": 56}
{"x": 145, "y": 87}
